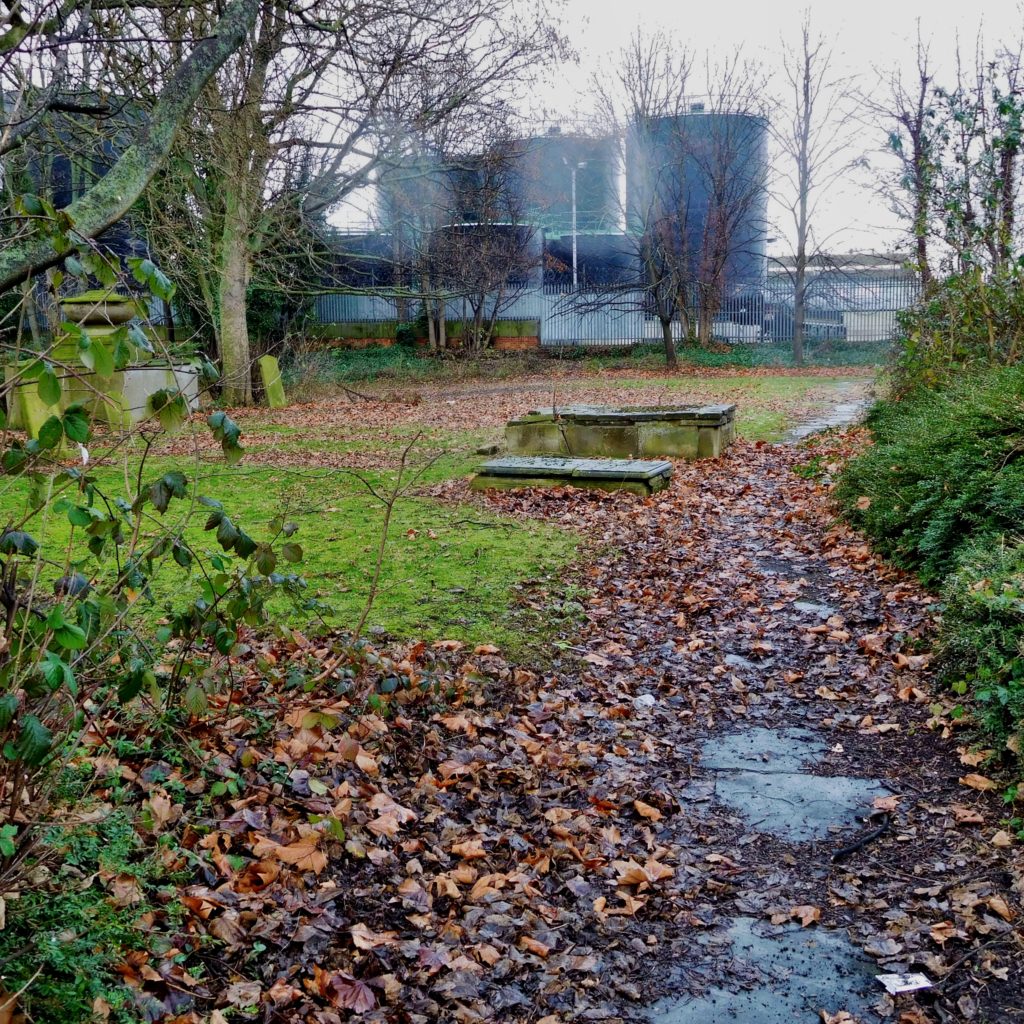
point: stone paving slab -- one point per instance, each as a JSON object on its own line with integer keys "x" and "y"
{"x": 761, "y": 774}
{"x": 794, "y": 974}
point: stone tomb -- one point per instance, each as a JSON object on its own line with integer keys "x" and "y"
{"x": 679, "y": 431}
{"x": 514, "y": 472}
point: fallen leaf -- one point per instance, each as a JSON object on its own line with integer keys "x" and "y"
{"x": 978, "y": 782}
{"x": 647, "y": 811}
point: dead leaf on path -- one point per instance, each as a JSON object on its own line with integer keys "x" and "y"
{"x": 942, "y": 932}
{"x": 842, "y": 1017}
{"x": 972, "y": 758}
{"x": 966, "y": 815}
{"x": 981, "y": 782}
{"x": 471, "y": 849}
{"x": 365, "y": 938}
{"x": 243, "y": 993}
{"x": 806, "y": 914}
{"x": 448, "y": 645}
{"x": 303, "y": 854}
{"x": 597, "y": 659}
{"x": 885, "y": 803}
{"x": 534, "y": 946}
{"x": 1002, "y": 839}
{"x": 630, "y": 872}
{"x": 999, "y": 906}
{"x": 647, "y": 811}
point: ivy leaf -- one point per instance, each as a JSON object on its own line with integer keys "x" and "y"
{"x": 34, "y": 741}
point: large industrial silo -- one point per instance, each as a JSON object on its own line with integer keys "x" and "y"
{"x": 701, "y": 178}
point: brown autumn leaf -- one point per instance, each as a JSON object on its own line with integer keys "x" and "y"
{"x": 943, "y": 932}
{"x": 806, "y": 914}
{"x": 967, "y": 815}
{"x": 999, "y": 906}
{"x": 1002, "y": 839}
{"x": 365, "y": 938}
{"x": 981, "y": 782}
{"x": 886, "y": 803}
{"x": 303, "y": 854}
{"x": 647, "y": 811}
{"x": 972, "y": 758}
{"x": 534, "y": 946}
{"x": 470, "y": 849}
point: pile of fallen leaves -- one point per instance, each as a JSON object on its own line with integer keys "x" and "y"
{"x": 431, "y": 833}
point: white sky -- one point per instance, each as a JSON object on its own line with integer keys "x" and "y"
{"x": 871, "y": 37}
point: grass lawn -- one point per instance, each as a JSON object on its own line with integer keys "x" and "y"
{"x": 451, "y": 569}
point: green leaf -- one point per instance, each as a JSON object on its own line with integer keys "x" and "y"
{"x": 57, "y": 672}
{"x": 51, "y": 433}
{"x": 266, "y": 560}
{"x": 76, "y": 424}
{"x": 8, "y": 847}
{"x": 181, "y": 555}
{"x": 49, "y": 387}
{"x": 18, "y": 542}
{"x": 103, "y": 359}
{"x": 227, "y": 535}
{"x": 8, "y": 709}
{"x": 170, "y": 485}
{"x": 70, "y": 636}
{"x": 244, "y": 544}
{"x": 195, "y": 700}
{"x": 34, "y": 741}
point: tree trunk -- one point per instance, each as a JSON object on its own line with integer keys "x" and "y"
{"x": 799, "y": 309}
{"x": 234, "y": 280}
{"x": 671, "y": 360}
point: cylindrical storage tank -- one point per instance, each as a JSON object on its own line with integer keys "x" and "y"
{"x": 700, "y": 178}
{"x": 541, "y": 172}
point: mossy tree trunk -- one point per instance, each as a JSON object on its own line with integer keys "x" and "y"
{"x": 113, "y": 195}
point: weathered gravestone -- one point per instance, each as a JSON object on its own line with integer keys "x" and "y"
{"x": 273, "y": 388}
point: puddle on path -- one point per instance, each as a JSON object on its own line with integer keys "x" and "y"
{"x": 793, "y": 973}
{"x": 761, "y": 774}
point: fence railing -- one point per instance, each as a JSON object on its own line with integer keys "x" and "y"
{"x": 838, "y": 308}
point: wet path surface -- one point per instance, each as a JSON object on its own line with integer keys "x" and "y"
{"x": 744, "y": 621}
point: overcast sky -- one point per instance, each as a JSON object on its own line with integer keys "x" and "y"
{"x": 870, "y": 38}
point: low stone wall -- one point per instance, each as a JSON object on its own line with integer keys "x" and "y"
{"x": 686, "y": 432}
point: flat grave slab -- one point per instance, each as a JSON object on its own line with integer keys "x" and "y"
{"x": 639, "y": 477}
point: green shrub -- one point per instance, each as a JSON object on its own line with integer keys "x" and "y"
{"x": 982, "y": 640}
{"x": 946, "y": 469}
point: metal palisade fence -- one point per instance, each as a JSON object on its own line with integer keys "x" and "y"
{"x": 839, "y": 308}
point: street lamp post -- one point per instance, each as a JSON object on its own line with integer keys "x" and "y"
{"x": 573, "y": 168}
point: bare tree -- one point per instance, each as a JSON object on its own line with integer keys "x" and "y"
{"x": 812, "y": 129}
{"x": 342, "y": 87}
{"x": 908, "y": 114}
{"x": 696, "y": 173}
{"x": 640, "y": 100}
